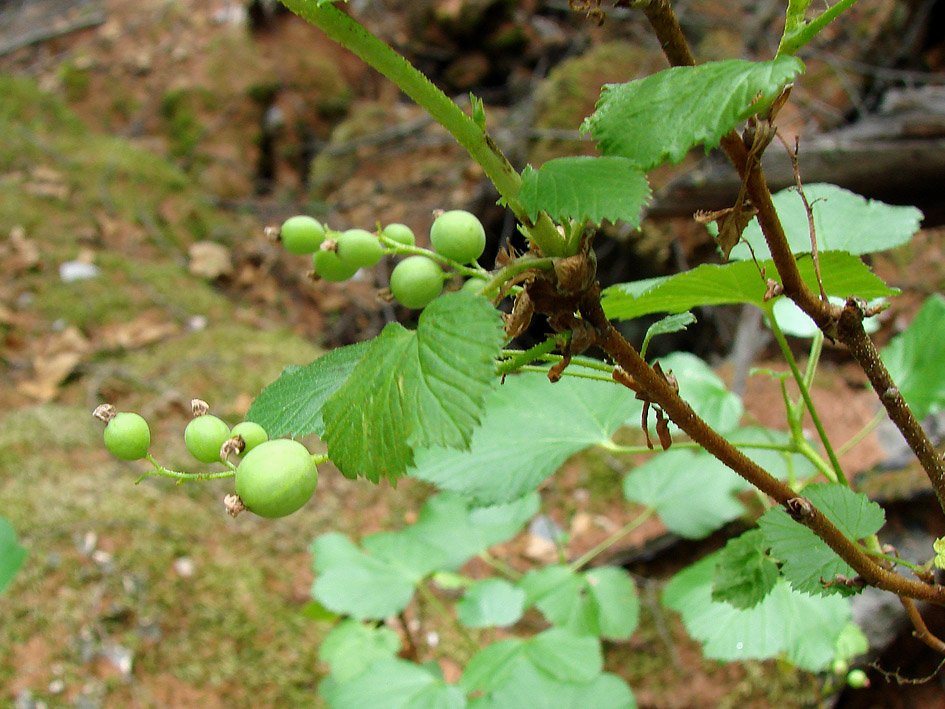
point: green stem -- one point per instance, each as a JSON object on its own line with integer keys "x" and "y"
{"x": 863, "y": 432}
{"x": 569, "y": 373}
{"x": 518, "y": 266}
{"x": 395, "y": 247}
{"x": 587, "y": 556}
{"x": 893, "y": 559}
{"x": 800, "y": 32}
{"x": 347, "y": 32}
{"x": 437, "y": 604}
{"x": 616, "y": 448}
{"x": 838, "y": 475}
{"x": 160, "y": 470}
{"x": 519, "y": 358}
{"x": 500, "y": 566}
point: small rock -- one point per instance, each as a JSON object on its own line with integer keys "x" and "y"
{"x": 77, "y": 271}
{"x": 184, "y": 566}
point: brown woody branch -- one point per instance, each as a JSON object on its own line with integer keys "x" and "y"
{"x": 843, "y": 324}
{"x": 660, "y": 392}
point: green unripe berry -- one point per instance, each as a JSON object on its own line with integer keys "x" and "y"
{"x": 127, "y": 436}
{"x": 276, "y": 478}
{"x": 401, "y": 233}
{"x": 473, "y": 285}
{"x": 252, "y": 434}
{"x": 204, "y": 436}
{"x": 301, "y": 235}
{"x": 331, "y": 268}
{"x": 458, "y": 235}
{"x": 416, "y": 281}
{"x": 858, "y": 679}
{"x": 359, "y": 248}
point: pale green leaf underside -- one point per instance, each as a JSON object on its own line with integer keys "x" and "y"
{"x": 738, "y": 282}
{"x": 807, "y": 561}
{"x": 492, "y": 602}
{"x": 351, "y": 646}
{"x": 393, "y": 683}
{"x": 915, "y": 359}
{"x": 292, "y": 405}
{"x": 786, "y": 622}
{"x": 591, "y": 188}
{"x": 659, "y": 118}
{"x": 415, "y": 388}
{"x": 559, "y": 419}
{"x": 843, "y": 221}
{"x": 691, "y": 492}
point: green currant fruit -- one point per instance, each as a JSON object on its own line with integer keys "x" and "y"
{"x": 276, "y": 478}
{"x": 302, "y": 235}
{"x": 401, "y": 233}
{"x": 252, "y": 434}
{"x": 858, "y": 679}
{"x": 458, "y": 235}
{"x": 331, "y": 268}
{"x": 473, "y": 285}
{"x": 204, "y": 436}
{"x": 127, "y": 436}
{"x": 359, "y": 248}
{"x": 416, "y": 281}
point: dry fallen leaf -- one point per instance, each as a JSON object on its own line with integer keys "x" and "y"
{"x": 55, "y": 358}
{"x": 210, "y": 260}
{"x": 146, "y": 328}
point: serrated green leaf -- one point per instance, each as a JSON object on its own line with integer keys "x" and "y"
{"x": 665, "y": 326}
{"x": 914, "y": 359}
{"x": 352, "y": 582}
{"x": 803, "y": 628}
{"x": 492, "y": 602}
{"x": 691, "y": 492}
{"x": 351, "y": 646}
{"x": 659, "y": 118}
{"x": 501, "y": 463}
{"x": 392, "y": 683}
{"x": 807, "y": 561}
{"x": 738, "y": 282}
{"x": 601, "y": 602}
{"x": 12, "y": 555}
{"x": 583, "y": 187}
{"x": 704, "y": 390}
{"x": 415, "y": 388}
{"x": 745, "y": 573}
{"x": 292, "y": 405}
{"x": 843, "y": 221}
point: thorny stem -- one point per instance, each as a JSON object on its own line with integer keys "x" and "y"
{"x": 844, "y": 324}
{"x": 663, "y": 395}
{"x": 356, "y": 38}
{"x": 837, "y": 473}
{"x": 922, "y": 631}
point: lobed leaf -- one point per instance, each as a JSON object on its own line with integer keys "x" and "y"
{"x": 738, "y": 282}
{"x": 914, "y": 359}
{"x": 586, "y": 188}
{"x": 807, "y": 562}
{"x": 292, "y": 405}
{"x": 601, "y": 602}
{"x": 693, "y": 493}
{"x": 492, "y": 602}
{"x": 393, "y": 683}
{"x": 415, "y": 389}
{"x": 745, "y": 574}
{"x": 351, "y": 646}
{"x": 502, "y": 463}
{"x": 802, "y": 628}
{"x": 843, "y": 221}
{"x": 659, "y": 118}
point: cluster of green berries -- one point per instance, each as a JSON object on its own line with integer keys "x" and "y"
{"x": 417, "y": 279}
{"x": 273, "y": 479}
